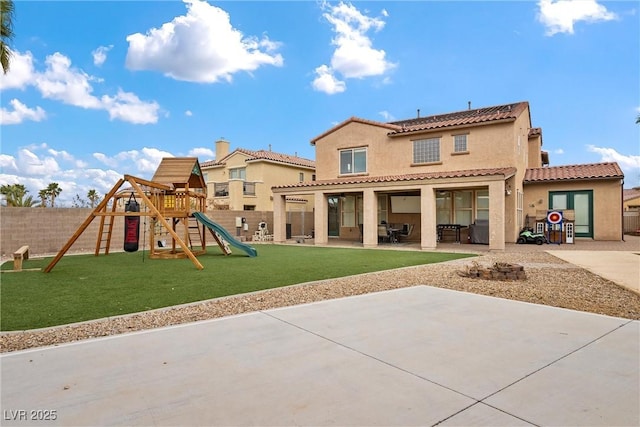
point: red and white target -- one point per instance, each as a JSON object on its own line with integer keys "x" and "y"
{"x": 554, "y": 217}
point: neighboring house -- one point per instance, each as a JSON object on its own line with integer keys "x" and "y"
{"x": 242, "y": 179}
{"x": 631, "y": 199}
{"x": 445, "y": 172}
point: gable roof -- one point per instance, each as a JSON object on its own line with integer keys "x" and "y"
{"x": 389, "y": 126}
{"x": 469, "y": 173}
{"x": 178, "y": 171}
{"x": 264, "y": 155}
{"x": 609, "y": 170}
{"x": 459, "y": 118}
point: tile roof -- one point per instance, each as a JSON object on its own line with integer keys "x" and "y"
{"x": 574, "y": 172}
{"x": 264, "y": 155}
{"x": 470, "y": 173}
{"x": 458, "y": 118}
{"x": 535, "y": 132}
{"x": 356, "y": 120}
{"x": 630, "y": 193}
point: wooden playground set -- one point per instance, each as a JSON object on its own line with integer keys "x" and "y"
{"x": 174, "y": 201}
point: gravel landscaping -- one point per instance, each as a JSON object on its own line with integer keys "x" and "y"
{"x": 549, "y": 281}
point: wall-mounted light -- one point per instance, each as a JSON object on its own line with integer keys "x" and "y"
{"x": 507, "y": 190}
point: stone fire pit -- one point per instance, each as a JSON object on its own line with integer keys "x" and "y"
{"x": 498, "y": 271}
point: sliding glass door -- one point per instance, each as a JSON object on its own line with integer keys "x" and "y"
{"x": 581, "y": 202}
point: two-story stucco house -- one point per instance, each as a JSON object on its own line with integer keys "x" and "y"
{"x": 449, "y": 172}
{"x": 242, "y": 179}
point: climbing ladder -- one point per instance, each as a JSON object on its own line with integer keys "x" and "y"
{"x": 105, "y": 231}
{"x": 195, "y": 233}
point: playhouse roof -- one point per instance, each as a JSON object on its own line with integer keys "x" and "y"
{"x": 180, "y": 171}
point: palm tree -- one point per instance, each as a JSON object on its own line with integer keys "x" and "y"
{"x": 43, "y": 198}
{"x": 16, "y": 196}
{"x": 6, "y": 32}
{"x": 93, "y": 197}
{"x": 53, "y": 191}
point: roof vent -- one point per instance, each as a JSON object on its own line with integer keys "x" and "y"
{"x": 469, "y": 104}
{"x": 418, "y": 113}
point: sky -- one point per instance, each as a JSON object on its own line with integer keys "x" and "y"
{"x": 97, "y": 90}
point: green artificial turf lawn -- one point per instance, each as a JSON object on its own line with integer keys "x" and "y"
{"x": 85, "y": 287}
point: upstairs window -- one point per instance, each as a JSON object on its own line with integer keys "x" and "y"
{"x": 238, "y": 173}
{"x": 353, "y": 161}
{"x": 221, "y": 189}
{"x": 426, "y": 150}
{"x": 301, "y": 177}
{"x": 460, "y": 143}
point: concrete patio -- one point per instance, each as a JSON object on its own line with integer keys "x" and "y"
{"x": 414, "y": 356}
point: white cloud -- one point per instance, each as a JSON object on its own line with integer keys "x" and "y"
{"x": 20, "y": 113}
{"x": 326, "y": 82}
{"x": 128, "y": 107}
{"x": 100, "y": 55}
{"x": 66, "y": 84}
{"x": 387, "y": 116}
{"x": 30, "y": 163}
{"x": 61, "y": 154}
{"x": 8, "y": 163}
{"x": 354, "y": 56}
{"x": 203, "y": 154}
{"x": 62, "y": 82}
{"x": 201, "y": 46}
{"x": 20, "y": 75}
{"x": 559, "y": 16}
{"x": 630, "y": 164}
{"x": 188, "y": 113}
{"x": 611, "y": 155}
{"x": 558, "y": 151}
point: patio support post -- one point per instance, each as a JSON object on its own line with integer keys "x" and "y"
{"x": 428, "y": 226}
{"x": 279, "y": 218}
{"x": 321, "y": 218}
{"x": 496, "y": 216}
{"x": 369, "y": 218}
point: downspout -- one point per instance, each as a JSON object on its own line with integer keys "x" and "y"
{"x": 622, "y": 205}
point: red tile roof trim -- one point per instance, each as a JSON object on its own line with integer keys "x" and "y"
{"x": 471, "y": 173}
{"x": 264, "y": 155}
{"x": 609, "y": 170}
{"x": 459, "y": 118}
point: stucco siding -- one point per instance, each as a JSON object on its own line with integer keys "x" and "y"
{"x": 607, "y": 203}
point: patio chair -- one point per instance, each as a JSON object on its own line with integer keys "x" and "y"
{"x": 407, "y": 229}
{"x": 383, "y": 234}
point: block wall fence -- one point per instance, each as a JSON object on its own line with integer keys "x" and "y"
{"x": 46, "y": 230}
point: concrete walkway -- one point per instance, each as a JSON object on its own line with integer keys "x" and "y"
{"x": 414, "y": 356}
{"x": 620, "y": 267}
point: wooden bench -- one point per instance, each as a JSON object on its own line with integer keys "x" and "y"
{"x": 20, "y": 255}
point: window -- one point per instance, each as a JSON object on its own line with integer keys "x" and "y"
{"x": 463, "y": 203}
{"x": 249, "y": 188}
{"x": 382, "y": 208}
{"x": 482, "y": 204}
{"x": 443, "y": 207}
{"x": 520, "y": 208}
{"x": 353, "y": 161}
{"x": 238, "y": 173}
{"x": 426, "y": 150}
{"x": 301, "y": 177}
{"x": 221, "y": 189}
{"x": 249, "y": 207}
{"x": 205, "y": 176}
{"x": 349, "y": 211}
{"x": 460, "y": 143}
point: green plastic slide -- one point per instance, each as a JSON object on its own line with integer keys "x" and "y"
{"x": 249, "y": 250}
